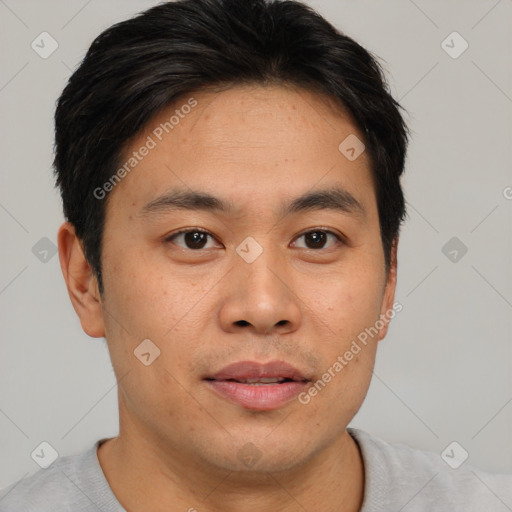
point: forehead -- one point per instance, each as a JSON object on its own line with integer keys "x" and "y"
{"x": 257, "y": 142}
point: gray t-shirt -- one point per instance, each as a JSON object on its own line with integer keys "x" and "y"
{"x": 397, "y": 478}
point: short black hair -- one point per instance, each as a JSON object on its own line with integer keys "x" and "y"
{"x": 137, "y": 67}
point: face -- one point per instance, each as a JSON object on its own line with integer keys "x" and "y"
{"x": 258, "y": 277}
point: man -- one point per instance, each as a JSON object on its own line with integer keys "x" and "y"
{"x": 230, "y": 174}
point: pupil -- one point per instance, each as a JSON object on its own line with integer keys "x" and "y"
{"x": 317, "y": 237}
{"x": 195, "y": 238}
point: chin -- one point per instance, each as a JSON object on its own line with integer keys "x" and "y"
{"x": 253, "y": 460}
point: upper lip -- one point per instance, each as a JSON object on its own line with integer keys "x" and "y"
{"x": 242, "y": 370}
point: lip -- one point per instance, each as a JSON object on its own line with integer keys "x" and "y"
{"x": 262, "y": 397}
{"x": 252, "y": 370}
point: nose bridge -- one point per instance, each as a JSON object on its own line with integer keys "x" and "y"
{"x": 255, "y": 266}
{"x": 262, "y": 265}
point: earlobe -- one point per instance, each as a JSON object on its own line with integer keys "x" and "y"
{"x": 387, "y": 310}
{"x": 81, "y": 282}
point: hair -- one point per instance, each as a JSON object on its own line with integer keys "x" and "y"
{"x": 137, "y": 67}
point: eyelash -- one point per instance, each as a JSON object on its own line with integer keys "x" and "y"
{"x": 339, "y": 239}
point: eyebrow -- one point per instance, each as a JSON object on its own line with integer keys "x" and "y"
{"x": 333, "y": 198}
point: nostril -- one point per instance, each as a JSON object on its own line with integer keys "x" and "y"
{"x": 242, "y": 323}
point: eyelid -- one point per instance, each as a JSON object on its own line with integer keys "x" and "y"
{"x": 320, "y": 228}
{"x": 339, "y": 237}
{"x": 186, "y": 230}
{"x": 168, "y": 238}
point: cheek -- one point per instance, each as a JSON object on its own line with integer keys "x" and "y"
{"x": 157, "y": 396}
{"x": 350, "y": 302}
{"x": 143, "y": 302}
{"x": 337, "y": 395}
{"x": 145, "y": 298}
{"x": 349, "y": 309}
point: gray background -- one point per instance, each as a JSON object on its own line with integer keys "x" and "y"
{"x": 443, "y": 373}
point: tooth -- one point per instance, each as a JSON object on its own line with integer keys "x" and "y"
{"x": 262, "y": 380}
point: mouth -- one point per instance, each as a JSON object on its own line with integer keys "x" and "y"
{"x": 258, "y": 386}
{"x": 258, "y": 381}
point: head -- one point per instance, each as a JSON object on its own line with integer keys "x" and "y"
{"x": 262, "y": 126}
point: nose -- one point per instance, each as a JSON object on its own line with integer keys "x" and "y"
{"x": 261, "y": 296}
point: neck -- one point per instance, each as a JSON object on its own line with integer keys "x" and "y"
{"x": 143, "y": 478}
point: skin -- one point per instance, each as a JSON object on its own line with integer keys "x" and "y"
{"x": 178, "y": 441}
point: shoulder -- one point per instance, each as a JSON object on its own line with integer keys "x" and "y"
{"x": 397, "y": 475}
{"x": 63, "y": 486}
{"x": 42, "y": 490}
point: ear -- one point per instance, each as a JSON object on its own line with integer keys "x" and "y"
{"x": 81, "y": 283}
{"x": 387, "y": 311}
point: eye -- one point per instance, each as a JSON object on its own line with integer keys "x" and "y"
{"x": 197, "y": 239}
{"x": 317, "y": 238}
{"x": 193, "y": 238}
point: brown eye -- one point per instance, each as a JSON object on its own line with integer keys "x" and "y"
{"x": 193, "y": 239}
{"x": 316, "y": 239}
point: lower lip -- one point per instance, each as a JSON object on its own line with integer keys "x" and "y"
{"x": 263, "y": 397}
